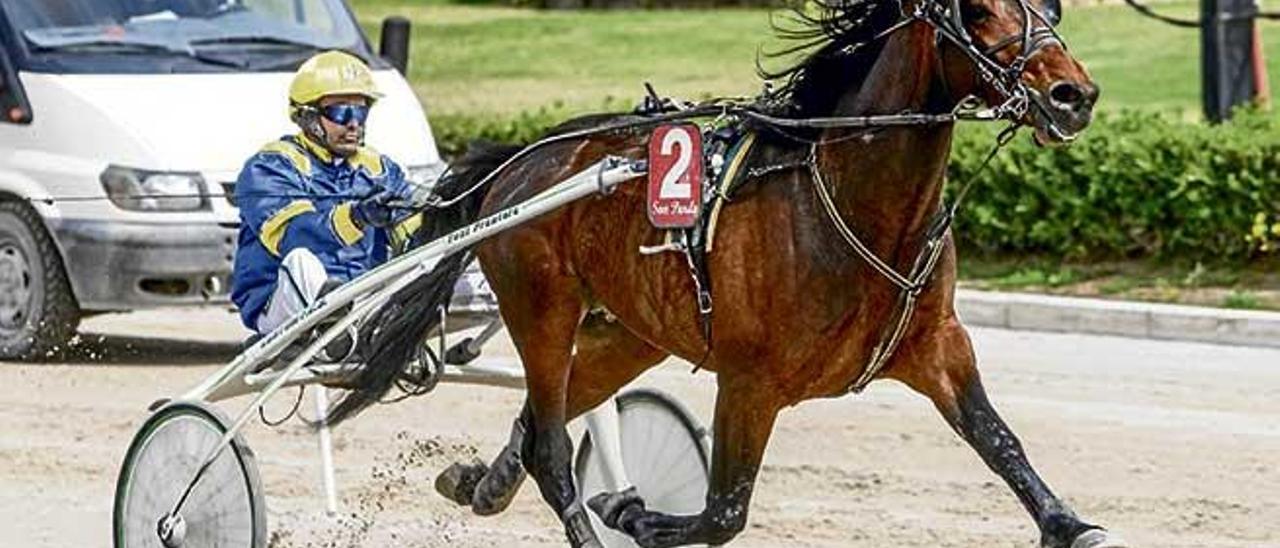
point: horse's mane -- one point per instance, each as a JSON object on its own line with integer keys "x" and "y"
{"x": 839, "y": 38}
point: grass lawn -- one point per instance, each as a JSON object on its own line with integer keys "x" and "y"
{"x": 472, "y": 59}
{"x": 1252, "y": 286}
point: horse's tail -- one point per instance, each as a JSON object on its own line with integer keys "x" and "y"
{"x": 394, "y": 334}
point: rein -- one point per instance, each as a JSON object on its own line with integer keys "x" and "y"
{"x": 947, "y": 23}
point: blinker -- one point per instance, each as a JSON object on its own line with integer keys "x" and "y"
{"x": 1053, "y": 12}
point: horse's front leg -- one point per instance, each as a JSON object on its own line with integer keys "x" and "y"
{"x": 946, "y": 373}
{"x": 744, "y": 418}
{"x": 542, "y": 320}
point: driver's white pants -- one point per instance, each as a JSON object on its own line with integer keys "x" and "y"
{"x": 297, "y": 285}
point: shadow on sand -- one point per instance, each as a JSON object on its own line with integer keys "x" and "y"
{"x": 95, "y": 349}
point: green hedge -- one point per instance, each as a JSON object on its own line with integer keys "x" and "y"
{"x": 453, "y": 132}
{"x": 1135, "y": 185}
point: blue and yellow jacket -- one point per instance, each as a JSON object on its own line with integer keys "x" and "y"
{"x": 294, "y": 193}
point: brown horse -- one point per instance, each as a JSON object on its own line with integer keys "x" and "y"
{"x": 798, "y": 313}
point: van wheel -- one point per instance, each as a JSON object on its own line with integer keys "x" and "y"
{"x": 38, "y": 313}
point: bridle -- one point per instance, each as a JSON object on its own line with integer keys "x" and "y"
{"x": 946, "y": 18}
{"x": 1038, "y": 33}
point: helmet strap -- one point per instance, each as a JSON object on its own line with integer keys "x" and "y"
{"x": 307, "y": 117}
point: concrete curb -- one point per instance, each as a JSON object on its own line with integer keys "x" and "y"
{"x": 1122, "y": 318}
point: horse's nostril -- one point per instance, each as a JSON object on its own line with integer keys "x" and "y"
{"x": 1067, "y": 95}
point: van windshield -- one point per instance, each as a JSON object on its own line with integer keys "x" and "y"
{"x": 240, "y": 34}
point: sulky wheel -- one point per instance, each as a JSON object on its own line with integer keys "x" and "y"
{"x": 224, "y": 510}
{"x": 664, "y": 451}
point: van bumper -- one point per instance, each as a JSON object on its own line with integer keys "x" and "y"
{"x": 116, "y": 265}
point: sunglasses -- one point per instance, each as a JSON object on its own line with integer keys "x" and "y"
{"x": 344, "y": 113}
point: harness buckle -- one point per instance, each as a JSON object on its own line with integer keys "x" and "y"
{"x": 704, "y": 300}
{"x": 607, "y": 164}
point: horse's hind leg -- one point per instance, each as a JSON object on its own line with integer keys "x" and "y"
{"x": 607, "y": 356}
{"x": 745, "y": 413}
{"x": 946, "y": 373}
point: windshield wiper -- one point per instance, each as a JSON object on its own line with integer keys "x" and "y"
{"x": 141, "y": 46}
{"x": 300, "y": 50}
{"x": 252, "y": 40}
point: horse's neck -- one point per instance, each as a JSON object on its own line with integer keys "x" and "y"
{"x": 889, "y": 185}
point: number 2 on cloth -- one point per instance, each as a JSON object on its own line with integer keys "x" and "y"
{"x": 675, "y": 176}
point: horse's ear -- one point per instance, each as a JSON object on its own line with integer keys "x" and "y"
{"x": 1053, "y": 12}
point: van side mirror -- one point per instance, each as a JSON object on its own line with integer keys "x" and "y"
{"x": 395, "y": 42}
{"x": 14, "y": 107}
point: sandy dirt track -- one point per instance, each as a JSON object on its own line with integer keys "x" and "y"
{"x": 1168, "y": 444}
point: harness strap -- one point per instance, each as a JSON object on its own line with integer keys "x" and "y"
{"x": 913, "y": 284}
{"x": 724, "y": 190}
{"x": 829, "y": 206}
{"x": 701, "y": 240}
{"x": 889, "y": 342}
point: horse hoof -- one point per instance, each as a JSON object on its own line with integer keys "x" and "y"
{"x": 614, "y": 508}
{"x": 498, "y": 487}
{"x": 503, "y": 479}
{"x": 458, "y": 482}
{"x": 1098, "y": 538}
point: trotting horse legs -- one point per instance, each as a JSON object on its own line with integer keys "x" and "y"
{"x": 946, "y": 373}
{"x": 607, "y": 356}
{"x": 744, "y": 417}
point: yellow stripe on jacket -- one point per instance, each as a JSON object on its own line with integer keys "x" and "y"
{"x": 344, "y": 226}
{"x": 272, "y": 232}
{"x": 296, "y": 157}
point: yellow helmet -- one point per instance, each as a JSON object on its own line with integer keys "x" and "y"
{"x": 332, "y": 73}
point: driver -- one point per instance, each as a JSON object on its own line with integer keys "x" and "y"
{"x": 317, "y": 208}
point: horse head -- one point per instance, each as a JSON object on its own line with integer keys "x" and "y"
{"x": 1009, "y": 54}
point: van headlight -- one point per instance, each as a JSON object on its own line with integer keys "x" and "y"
{"x": 141, "y": 190}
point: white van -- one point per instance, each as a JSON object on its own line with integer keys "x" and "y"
{"x": 123, "y": 125}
